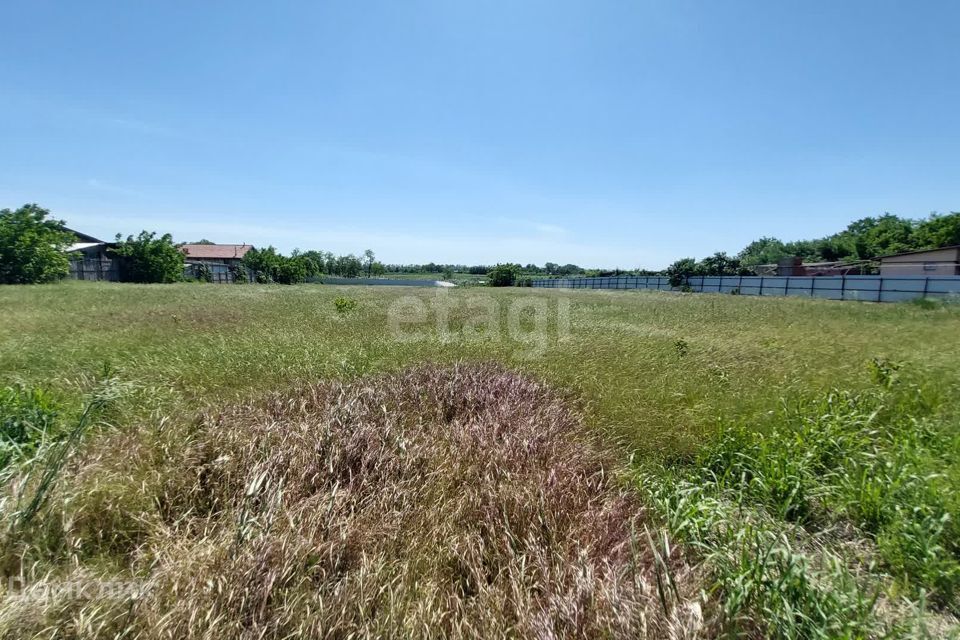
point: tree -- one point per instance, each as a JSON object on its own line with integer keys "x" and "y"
{"x": 719, "y": 264}
{"x": 149, "y": 258}
{"x": 763, "y": 251}
{"x": 348, "y": 266}
{"x": 680, "y": 270}
{"x": 290, "y": 270}
{"x": 264, "y": 262}
{"x": 31, "y": 246}
{"x": 806, "y": 249}
{"x": 503, "y": 275}
{"x": 937, "y": 231}
{"x": 377, "y": 269}
{"x": 315, "y": 261}
{"x": 368, "y": 259}
{"x": 873, "y": 237}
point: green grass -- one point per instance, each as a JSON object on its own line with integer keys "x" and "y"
{"x": 206, "y": 344}
{"x": 804, "y": 452}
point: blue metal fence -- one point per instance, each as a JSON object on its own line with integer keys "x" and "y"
{"x": 864, "y": 288}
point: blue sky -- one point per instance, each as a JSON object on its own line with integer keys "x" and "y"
{"x": 605, "y": 133}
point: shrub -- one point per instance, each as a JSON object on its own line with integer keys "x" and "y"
{"x": 679, "y": 271}
{"x": 271, "y": 266}
{"x": 681, "y": 346}
{"x": 27, "y": 418}
{"x": 290, "y": 271}
{"x": 344, "y": 304}
{"x": 264, "y": 262}
{"x": 239, "y": 274}
{"x": 203, "y": 273}
{"x": 150, "y": 258}
{"x": 31, "y": 246}
{"x": 503, "y": 275}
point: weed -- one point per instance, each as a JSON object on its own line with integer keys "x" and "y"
{"x": 28, "y": 418}
{"x": 50, "y": 465}
{"x": 884, "y": 371}
{"x": 344, "y": 304}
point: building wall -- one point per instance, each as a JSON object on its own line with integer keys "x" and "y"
{"x": 939, "y": 262}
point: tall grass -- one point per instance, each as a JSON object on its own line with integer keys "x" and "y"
{"x": 760, "y": 502}
{"x": 783, "y": 490}
{"x": 462, "y": 503}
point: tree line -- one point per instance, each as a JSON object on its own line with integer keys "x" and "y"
{"x": 32, "y": 245}
{"x": 863, "y": 240}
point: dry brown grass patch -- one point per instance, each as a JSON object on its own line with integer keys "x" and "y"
{"x": 460, "y": 502}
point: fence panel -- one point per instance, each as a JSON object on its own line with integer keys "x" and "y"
{"x": 95, "y": 269}
{"x": 862, "y": 288}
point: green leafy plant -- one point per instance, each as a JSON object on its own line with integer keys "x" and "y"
{"x": 150, "y": 258}
{"x": 503, "y": 275}
{"x": 203, "y": 273}
{"x": 239, "y": 274}
{"x": 884, "y": 371}
{"x": 31, "y": 246}
{"x": 344, "y": 304}
{"x": 28, "y": 417}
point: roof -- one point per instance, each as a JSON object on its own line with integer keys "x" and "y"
{"x": 908, "y": 253}
{"x": 216, "y": 251}
{"x": 80, "y": 246}
{"x": 83, "y": 237}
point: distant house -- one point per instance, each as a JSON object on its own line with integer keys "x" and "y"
{"x": 87, "y": 247}
{"x": 228, "y": 254}
{"x": 90, "y": 258}
{"x": 794, "y": 266}
{"x": 222, "y": 261}
{"x": 944, "y": 261}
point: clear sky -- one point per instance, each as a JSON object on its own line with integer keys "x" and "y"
{"x": 605, "y": 133}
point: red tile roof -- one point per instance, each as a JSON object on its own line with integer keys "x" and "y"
{"x": 216, "y": 251}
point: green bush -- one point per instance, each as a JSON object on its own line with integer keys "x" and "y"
{"x": 271, "y": 266}
{"x": 31, "y": 246}
{"x": 150, "y": 258}
{"x": 239, "y": 273}
{"x": 204, "y": 274}
{"x": 290, "y": 271}
{"x": 27, "y": 418}
{"x": 344, "y": 304}
{"x": 503, "y": 275}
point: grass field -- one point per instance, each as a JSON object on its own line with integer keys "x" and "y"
{"x": 778, "y": 467}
